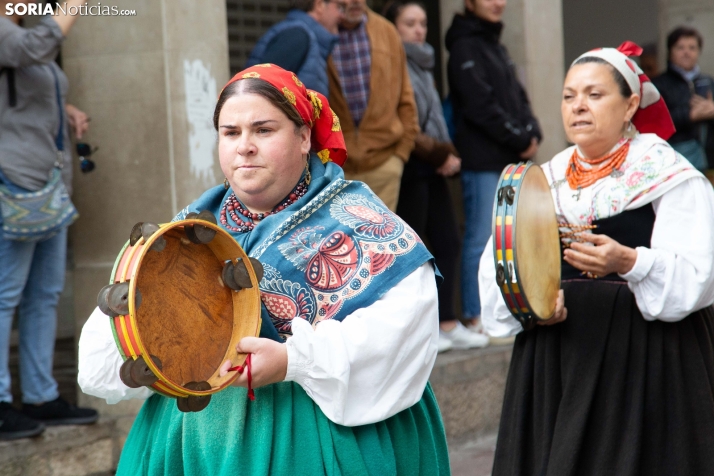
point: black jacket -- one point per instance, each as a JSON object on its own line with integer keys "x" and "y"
{"x": 492, "y": 116}
{"x": 676, "y": 92}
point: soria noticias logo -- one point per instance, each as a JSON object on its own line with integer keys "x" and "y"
{"x": 23, "y": 9}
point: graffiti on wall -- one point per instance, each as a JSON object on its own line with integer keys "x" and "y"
{"x": 201, "y": 94}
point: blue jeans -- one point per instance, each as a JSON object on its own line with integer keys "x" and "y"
{"x": 479, "y": 190}
{"x": 31, "y": 280}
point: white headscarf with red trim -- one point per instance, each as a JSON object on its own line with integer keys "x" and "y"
{"x": 653, "y": 115}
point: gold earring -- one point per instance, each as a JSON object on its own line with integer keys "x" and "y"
{"x": 308, "y": 176}
{"x": 226, "y": 185}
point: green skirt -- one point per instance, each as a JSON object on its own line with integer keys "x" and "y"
{"x": 282, "y": 432}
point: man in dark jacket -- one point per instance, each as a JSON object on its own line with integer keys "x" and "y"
{"x": 303, "y": 41}
{"x": 494, "y": 126}
{"x": 688, "y": 95}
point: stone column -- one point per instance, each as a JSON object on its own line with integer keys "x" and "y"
{"x": 149, "y": 83}
{"x": 694, "y": 13}
{"x": 533, "y": 34}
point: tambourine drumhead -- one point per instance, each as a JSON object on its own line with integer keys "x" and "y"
{"x": 537, "y": 243}
{"x": 187, "y": 317}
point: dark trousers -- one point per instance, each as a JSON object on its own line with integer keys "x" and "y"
{"x": 425, "y": 204}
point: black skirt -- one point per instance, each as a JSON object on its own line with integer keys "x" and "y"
{"x": 608, "y": 393}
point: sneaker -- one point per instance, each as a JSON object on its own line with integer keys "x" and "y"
{"x": 462, "y": 338}
{"x": 59, "y": 412}
{"x": 15, "y": 425}
{"x": 444, "y": 343}
{"x": 477, "y": 327}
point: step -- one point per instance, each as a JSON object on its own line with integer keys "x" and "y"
{"x": 69, "y": 450}
{"x": 469, "y": 386}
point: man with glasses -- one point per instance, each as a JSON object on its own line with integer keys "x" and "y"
{"x": 303, "y": 41}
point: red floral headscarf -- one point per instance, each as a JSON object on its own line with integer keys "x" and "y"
{"x": 327, "y": 139}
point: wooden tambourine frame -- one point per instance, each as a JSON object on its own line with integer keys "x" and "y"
{"x": 526, "y": 243}
{"x": 181, "y": 311}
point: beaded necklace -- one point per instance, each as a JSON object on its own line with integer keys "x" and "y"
{"x": 579, "y": 176}
{"x": 246, "y": 221}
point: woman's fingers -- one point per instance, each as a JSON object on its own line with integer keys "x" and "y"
{"x": 223, "y": 370}
{"x": 269, "y": 361}
{"x": 560, "y": 314}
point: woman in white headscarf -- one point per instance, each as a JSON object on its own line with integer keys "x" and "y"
{"x": 621, "y": 379}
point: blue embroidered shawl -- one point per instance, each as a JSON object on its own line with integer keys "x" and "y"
{"x": 336, "y": 250}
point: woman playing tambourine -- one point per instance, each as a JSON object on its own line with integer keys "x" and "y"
{"x": 349, "y": 313}
{"x": 621, "y": 379}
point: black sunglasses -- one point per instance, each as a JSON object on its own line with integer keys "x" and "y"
{"x": 84, "y": 150}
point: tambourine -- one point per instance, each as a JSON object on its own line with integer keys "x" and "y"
{"x": 526, "y": 243}
{"x": 180, "y": 298}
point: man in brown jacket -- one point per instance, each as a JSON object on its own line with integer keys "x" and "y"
{"x": 371, "y": 94}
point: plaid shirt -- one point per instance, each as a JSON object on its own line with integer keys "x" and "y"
{"x": 353, "y": 61}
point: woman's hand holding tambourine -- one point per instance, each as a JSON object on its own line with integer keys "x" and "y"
{"x": 605, "y": 257}
{"x": 269, "y": 362}
{"x": 560, "y": 314}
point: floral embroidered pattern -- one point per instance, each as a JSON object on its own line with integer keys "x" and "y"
{"x": 336, "y": 127}
{"x": 336, "y": 261}
{"x": 285, "y": 301}
{"x": 252, "y": 74}
{"x": 650, "y": 167}
{"x": 365, "y": 218}
{"x": 316, "y": 104}
{"x": 297, "y": 81}
{"x": 290, "y": 96}
{"x": 324, "y": 155}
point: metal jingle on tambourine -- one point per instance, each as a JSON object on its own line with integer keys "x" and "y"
{"x": 241, "y": 275}
{"x": 510, "y": 194}
{"x": 125, "y": 374}
{"x": 528, "y": 322}
{"x": 203, "y": 234}
{"x": 258, "y": 268}
{"x": 200, "y": 234}
{"x": 147, "y": 230}
{"x": 134, "y": 373}
{"x": 500, "y": 275}
{"x": 115, "y": 298}
{"x": 135, "y": 234}
{"x": 182, "y": 404}
{"x": 140, "y": 372}
{"x": 194, "y": 403}
{"x": 227, "y": 276}
{"x": 102, "y": 301}
{"x": 205, "y": 215}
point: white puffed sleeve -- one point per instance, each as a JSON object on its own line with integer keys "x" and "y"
{"x": 497, "y": 320}
{"x": 376, "y": 362}
{"x": 675, "y": 277}
{"x": 99, "y": 362}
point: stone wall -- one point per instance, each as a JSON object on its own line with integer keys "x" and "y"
{"x": 149, "y": 83}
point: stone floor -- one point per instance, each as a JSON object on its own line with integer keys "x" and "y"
{"x": 472, "y": 458}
